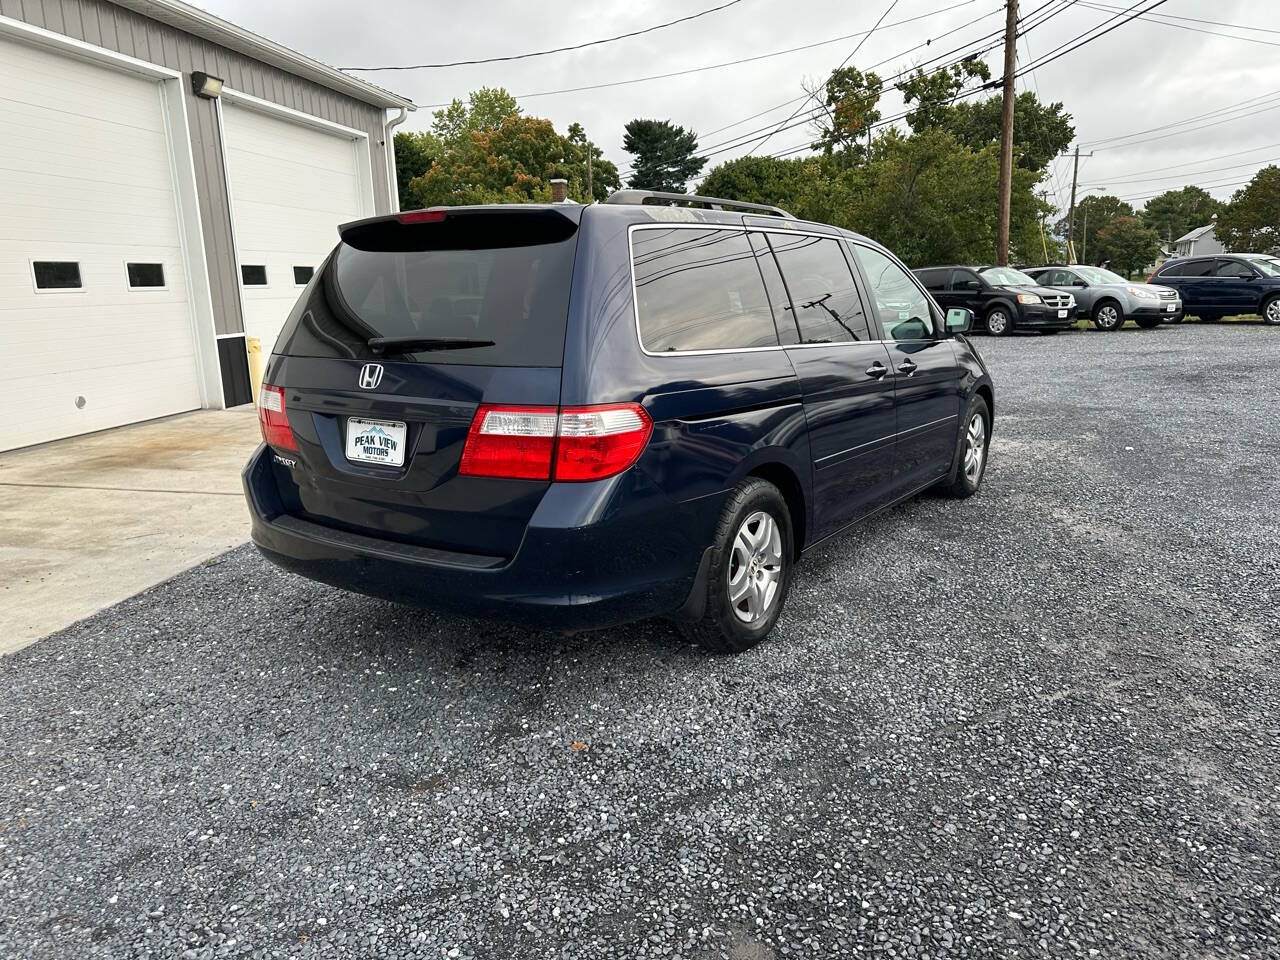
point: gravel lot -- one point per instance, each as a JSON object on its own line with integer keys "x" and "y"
{"x": 1044, "y": 721}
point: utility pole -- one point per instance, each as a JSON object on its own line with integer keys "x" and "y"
{"x": 591, "y": 197}
{"x": 1071, "y": 214}
{"x": 1006, "y": 129}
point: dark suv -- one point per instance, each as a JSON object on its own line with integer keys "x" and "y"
{"x": 579, "y": 416}
{"x": 1224, "y": 285}
{"x": 1002, "y": 298}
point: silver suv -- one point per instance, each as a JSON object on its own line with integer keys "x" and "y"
{"x": 1109, "y": 299}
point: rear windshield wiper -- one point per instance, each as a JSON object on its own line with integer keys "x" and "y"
{"x": 414, "y": 344}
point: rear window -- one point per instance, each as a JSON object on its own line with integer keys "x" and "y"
{"x": 502, "y": 277}
{"x": 1189, "y": 268}
{"x": 699, "y": 289}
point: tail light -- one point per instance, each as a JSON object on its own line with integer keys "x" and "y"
{"x": 545, "y": 443}
{"x": 276, "y": 431}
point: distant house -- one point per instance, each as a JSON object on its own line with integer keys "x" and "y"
{"x": 1198, "y": 243}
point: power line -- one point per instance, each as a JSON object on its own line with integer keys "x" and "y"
{"x": 1203, "y": 186}
{"x": 1177, "y": 166}
{"x": 1176, "y": 123}
{"x": 726, "y": 63}
{"x": 1254, "y": 111}
{"x": 1196, "y": 173}
{"x": 543, "y": 53}
{"x": 1163, "y": 20}
{"x": 875, "y": 26}
{"x": 741, "y": 140}
{"x": 1087, "y": 40}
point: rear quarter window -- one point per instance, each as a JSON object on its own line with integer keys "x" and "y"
{"x": 699, "y": 289}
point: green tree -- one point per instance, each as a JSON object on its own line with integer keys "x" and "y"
{"x": 1174, "y": 212}
{"x": 849, "y": 100}
{"x": 665, "y": 155}
{"x": 933, "y": 92}
{"x": 487, "y": 151}
{"x": 485, "y": 109}
{"x": 1251, "y": 221}
{"x": 1040, "y": 131}
{"x": 415, "y": 152}
{"x": 759, "y": 180}
{"x": 1092, "y": 214}
{"x": 1128, "y": 243}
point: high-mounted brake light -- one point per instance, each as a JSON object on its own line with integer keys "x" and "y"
{"x": 421, "y": 216}
{"x": 273, "y": 419}
{"x": 545, "y": 443}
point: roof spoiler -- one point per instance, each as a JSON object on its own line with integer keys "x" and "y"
{"x": 658, "y": 197}
{"x": 456, "y": 228}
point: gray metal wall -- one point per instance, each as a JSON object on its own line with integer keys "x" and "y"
{"x": 106, "y": 25}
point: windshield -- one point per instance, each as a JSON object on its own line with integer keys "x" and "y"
{"x": 1007, "y": 277}
{"x": 1098, "y": 275}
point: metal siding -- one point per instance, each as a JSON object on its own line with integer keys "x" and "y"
{"x": 106, "y": 25}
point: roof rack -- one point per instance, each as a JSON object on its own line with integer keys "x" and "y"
{"x": 655, "y": 197}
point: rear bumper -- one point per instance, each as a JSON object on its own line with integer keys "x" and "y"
{"x": 594, "y": 554}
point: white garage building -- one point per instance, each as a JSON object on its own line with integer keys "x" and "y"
{"x": 168, "y": 182}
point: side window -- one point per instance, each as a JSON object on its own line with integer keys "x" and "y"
{"x": 783, "y": 316}
{"x": 699, "y": 289}
{"x": 1234, "y": 269}
{"x": 1195, "y": 268}
{"x": 903, "y": 309}
{"x": 961, "y": 280}
{"x": 827, "y": 306}
{"x": 933, "y": 279}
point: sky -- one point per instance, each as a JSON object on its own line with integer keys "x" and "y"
{"x": 1142, "y": 76}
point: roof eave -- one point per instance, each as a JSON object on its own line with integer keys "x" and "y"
{"x": 205, "y": 25}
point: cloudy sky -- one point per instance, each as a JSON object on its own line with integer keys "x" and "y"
{"x": 1134, "y": 84}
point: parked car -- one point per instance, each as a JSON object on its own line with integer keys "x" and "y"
{"x": 1108, "y": 299}
{"x": 1223, "y": 285}
{"x": 1004, "y": 298}
{"x": 580, "y": 416}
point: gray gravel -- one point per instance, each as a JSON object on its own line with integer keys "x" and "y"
{"x": 1043, "y": 721}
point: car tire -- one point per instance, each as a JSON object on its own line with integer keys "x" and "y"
{"x": 1270, "y": 311}
{"x": 999, "y": 322}
{"x": 1108, "y": 316}
{"x": 972, "y": 445}
{"x": 1148, "y": 323}
{"x": 733, "y": 626}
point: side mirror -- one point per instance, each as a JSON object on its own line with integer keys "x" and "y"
{"x": 1079, "y": 283}
{"x": 959, "y": 320}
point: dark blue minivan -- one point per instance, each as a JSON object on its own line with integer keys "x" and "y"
{"x": 578, "y": 416}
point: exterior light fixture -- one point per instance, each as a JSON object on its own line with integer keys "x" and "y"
{"x": 203, "y": 85}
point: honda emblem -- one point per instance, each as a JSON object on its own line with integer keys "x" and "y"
{"x": 370, "y": 376}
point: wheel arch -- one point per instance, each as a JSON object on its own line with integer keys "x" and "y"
{"x": 783, "y": 477}
{"x": 1103, "y": 301}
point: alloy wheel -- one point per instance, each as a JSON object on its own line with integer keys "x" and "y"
{"x": 975, "y": 447}
{"x": 1108, "y": 317}
{"x": 755, "y": 567}
{"x": 1272, "y": 315}
{"x": 997, "y": 322}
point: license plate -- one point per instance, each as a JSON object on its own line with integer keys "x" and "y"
{"x": 1062, "y": 314}
{"x": 376, "y": 441}
{"x": 1172, "y": 307}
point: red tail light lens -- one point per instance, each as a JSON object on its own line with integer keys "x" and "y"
{"x": 421, "y": 216}
{"x": 273, "y": 419}
{"x": 598, "y": 442}
{"x": 516, "y": 442}
{"x": 544, "y": 443}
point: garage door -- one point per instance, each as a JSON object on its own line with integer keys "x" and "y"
{"x": 95, "y": 327}
{"x": 291, "y": 185}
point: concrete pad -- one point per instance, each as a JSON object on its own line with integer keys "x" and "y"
{"x": 88, "y": 521}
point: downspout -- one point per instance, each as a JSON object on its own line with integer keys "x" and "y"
{"x": 389, "y": 148}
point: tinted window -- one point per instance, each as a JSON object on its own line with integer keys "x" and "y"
{"x": 501, "y": 276}
{"x": 145, "y": 274}
{"x": 253, "y": 274}
{"x": 903, "y": 308}
{"x": 784, "y": 317}
{"x": 1189, "y": 268}
{"x": 56, "y": 274}
{"x": 699, "y": 290}
{"x": 827, "y": 306}
{"x": 1233, "y": 268}
{"x": 933, "y": 279}
{"x": 301, "y": 275}
{"x": 965, "y": 280}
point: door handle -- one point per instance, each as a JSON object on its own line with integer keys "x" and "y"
{"x": 907, "y": 367}
{"x": 877, "y": 370}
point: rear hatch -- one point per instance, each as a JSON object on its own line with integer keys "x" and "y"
{"x": 411, "y": 324}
